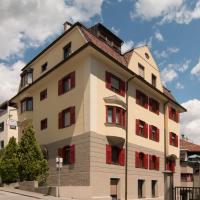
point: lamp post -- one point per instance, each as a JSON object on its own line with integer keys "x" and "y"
{"x": 59, "y": 162}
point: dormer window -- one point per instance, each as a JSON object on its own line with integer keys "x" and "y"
{"x": 67, "y": 50}
{"x": 26, "y": 77}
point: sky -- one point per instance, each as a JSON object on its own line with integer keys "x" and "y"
{"x": 171, "y": 28}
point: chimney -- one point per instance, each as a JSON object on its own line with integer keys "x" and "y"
{"x": 67, "y": 25}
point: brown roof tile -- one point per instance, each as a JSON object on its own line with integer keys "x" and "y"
{"x": 189, "y": 146}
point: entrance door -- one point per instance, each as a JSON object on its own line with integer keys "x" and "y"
{"x": 114, "y": 188}
{"x": 168, "y": 186}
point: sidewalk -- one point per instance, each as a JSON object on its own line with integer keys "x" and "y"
{"x": 30, "y": 194}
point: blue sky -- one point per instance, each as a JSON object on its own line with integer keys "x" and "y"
{"x": 170, "y": 27}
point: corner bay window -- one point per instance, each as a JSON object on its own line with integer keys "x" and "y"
{"x": 66, "y": 83}
{"x": 26, "y": 77}
{"x": 115, "y": 115}
{"x": 154, "y": 106}
{"x": 173, "y": 139}
{"x": 68, "y": 154}
{"x": 173, "y": 114}
{"x": 141, "y": 128}
{"x": 66, "y": 117}
{"x": 115, "y": 84}
{"x": 115, "y": 155}
{"x": 154, "y": 133}
{"x": 141, "y": 99}
{"x": 27, "y": 104}
{"x": 141, "y": 160}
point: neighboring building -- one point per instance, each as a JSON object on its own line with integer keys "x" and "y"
{"x": 189, "y": 170}
{"x": 74, "y": 95}
{"x": 8, "y": 123}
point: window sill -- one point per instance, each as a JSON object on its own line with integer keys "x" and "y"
{"x": 155, "y": 112}
{"x": 154, "y": 140}
{"x": 113, "y": 90}
{"x": 114, "y": 125}
{"x": 142, "y": 106}
{"x": 142, "y": 136}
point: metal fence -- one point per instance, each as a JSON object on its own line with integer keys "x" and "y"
{"x": 186, "y": 193}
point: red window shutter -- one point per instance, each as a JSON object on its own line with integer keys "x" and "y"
{"x": 150, "y": 162}
{"x": 146, "y": 102}
{"x": 72, "y": 154}
{"x": 137, "y": 126}
{"x": 158, "y": 135}
{"x": 137, "y": 97}
{"x": 177, "y": 117}
{"x": 137, "y": 161}
{"x": 158, "y": 108}
{"x": 146, "y": 130}
{"x": 170, "y": 138}
{"x": 72, "y": 76}
{"x": 146, "y": 161}
{"x": 157, "y": 163}
{"x": 173, "y": 166}
{"x": 64, "y": 153}
{"x": 150, "y": 104}
{"x": 122, "y": 157}
{"x": 122, "y": 88}
{"x": 176, "y": 140}
{"x": 108, "y": 80}
{"x": 72, "y": 115}
{"x": 170, "y": 112}
{"x": 114, "y": 115}
{"x": 60, "y": 120}
{"x": 60, "y": 87}
{"x": 108, "y": 154}
{"x": 124, "y": 118}
{"x": 150, "y": 132}
{"x": 60, "y": 152}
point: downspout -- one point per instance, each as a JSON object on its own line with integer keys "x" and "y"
{"x": 126, "y": 153}
{"x": 165, "y": 133}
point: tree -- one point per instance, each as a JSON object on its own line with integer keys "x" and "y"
{"x": 9, "y": 162}
{"x": 32, "y": 166}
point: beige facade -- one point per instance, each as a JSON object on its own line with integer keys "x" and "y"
{"x": 8, "y": 123}
{"x": 90, "y": 176}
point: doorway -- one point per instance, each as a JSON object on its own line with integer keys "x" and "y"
{"x": 114, "y": 188}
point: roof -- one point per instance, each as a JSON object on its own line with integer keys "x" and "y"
{"x": 189, "y": 146}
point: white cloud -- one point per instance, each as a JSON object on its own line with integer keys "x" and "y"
{"x": 9, "y": 79}
{"x": 173, "y": 50}
{"x": 180, "y": 11}
{"x": 127, "y": 46}
{"x": 180, "y": 67}
{"x": 29, "y": 23}
{"x": 115, "y": 30}
{"x": 168, "y": 75}
{"x": 167, "y": 52}
{"x": 145, "y": 42}
{"x": 179, "y": 86}
{"x": 159, "y": 36}
{"x": 196, "y": 69}
{"x": 190, "y": 121}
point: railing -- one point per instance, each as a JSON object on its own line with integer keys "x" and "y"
{"x": 186, "y": 193}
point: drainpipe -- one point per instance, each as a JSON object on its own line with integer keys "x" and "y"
{"x": 165, "y": 132}
{"x": 126, "y": 153}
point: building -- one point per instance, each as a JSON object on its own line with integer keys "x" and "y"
{"x": 8, "y": 123}
{"x": 84, "y": 97}
{"x": 189, "y": 170}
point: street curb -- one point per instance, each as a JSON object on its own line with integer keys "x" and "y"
{"x": 26, "y": 195}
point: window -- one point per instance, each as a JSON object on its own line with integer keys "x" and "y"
{"x": 186, "y": 177}
{"x": 27, "y": 104}
{"x": 43, "y": 95}
{"x": 173, "y": 138}
{"x": 141, "y": 128}
{"x": 173, "y": 114}
{"x": 1, "y": 126}
{"x": 44, "y": 67}
{"x": 66, "y": 84}
{"x": 154, "y": 133}
{"x": 66, "y": 117}
{"x": 170, "y": 165}
{"x": 141, "y": 188}
{"x": 1, "y": 144}
{"x": 140, "y": 70}
{"x": 115, "y": 155}
{"x": 115, "y": 115}
{"x": 141, "y": 99}
{"x": 154, "y": 162}
{"x": 154, "y": 106}
{"x": 67, "y": 50}
{"x": 154, "y": 188}
{"x": 68, "y": 154}
{"x": 115, "y": 84}
{"x": 153, "y": 80}
{"x": 141, "y": 160}
{"x": 26, "y": 77}
{"x": 43, "y": 124}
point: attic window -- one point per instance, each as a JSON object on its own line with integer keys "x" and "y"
{"x": 147, "y": 55}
